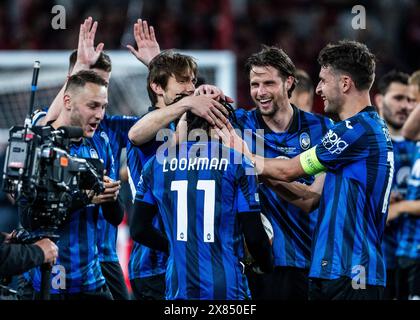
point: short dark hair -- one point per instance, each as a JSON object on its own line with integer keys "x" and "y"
{"x": 303, "y": 82}
{"x": 276, "y": 58}
{"x": 80, "y": 79}
{"x": 351, "y": 57}
{"x": 103, "y": 63}
{"x": 167, "y": 64}
{"x": 390, "y": 77}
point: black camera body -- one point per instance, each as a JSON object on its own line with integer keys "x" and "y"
{"x": 44, "y": 178}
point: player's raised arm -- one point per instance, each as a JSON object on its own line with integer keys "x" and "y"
{"x": 87, "y": 56}
{"x": 147, "y": 45}
{"x": 204, "y": 106}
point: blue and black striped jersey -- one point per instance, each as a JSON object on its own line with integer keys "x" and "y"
{"x": 404, "y": 151}
{"x": 144, "y": 262}
{"x": 113, "y": 130}
{"x": 353, "y": 209}
{"x": 409, "y": 232}
{"x": 199, "y": 190}
{"x": 78, "y": 253}
{"x": 292, "y": 227}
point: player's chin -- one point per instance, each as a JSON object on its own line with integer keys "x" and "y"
{"x": 88, "y": 133}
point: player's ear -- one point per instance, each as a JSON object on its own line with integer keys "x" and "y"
{"x": 289, "y": 82}
{"x": 67, "y": 101}
{"x": 345, "y": 83}
{"x": 157, "y": 88}
{"x": 378, "y": 100}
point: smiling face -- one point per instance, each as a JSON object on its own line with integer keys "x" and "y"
{"x": 86, "y": 107}
{"x": 267, "y": 89}
{"x": 329, "y": 90}
{"x": 180, "y": 85}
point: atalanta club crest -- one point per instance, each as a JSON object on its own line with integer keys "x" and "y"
{"x": 305, "y": 141}
{"x": 93, "y": 154}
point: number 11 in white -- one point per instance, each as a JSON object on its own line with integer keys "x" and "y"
{"x": 208, "y": 186}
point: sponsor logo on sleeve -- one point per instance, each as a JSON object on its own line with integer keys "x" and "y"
{"x": 333, "y": 143}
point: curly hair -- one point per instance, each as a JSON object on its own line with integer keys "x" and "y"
{"x": 276, "y": 58}
{"x": 352, "y": 58}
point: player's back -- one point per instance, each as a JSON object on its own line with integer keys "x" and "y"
{"x": 199, "y": 190}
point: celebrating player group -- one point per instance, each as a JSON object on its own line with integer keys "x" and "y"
{"x": 272, "y": 203}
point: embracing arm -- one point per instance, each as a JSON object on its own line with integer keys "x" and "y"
{"x": 300, "y": 195}
{"x": 142, "y": 229}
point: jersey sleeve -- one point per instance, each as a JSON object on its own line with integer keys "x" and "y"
{"x": 344, "y": 143}
{"x": 118, "y": 127}
{"x": 247, "y": 193}
{"x": 144, "y": 187}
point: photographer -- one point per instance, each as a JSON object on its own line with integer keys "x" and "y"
{"x": 18, "y": 258}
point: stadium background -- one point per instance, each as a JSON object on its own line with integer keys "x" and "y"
{"x": 233, "y": 29}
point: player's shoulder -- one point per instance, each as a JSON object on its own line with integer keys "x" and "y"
{"x": 245, "y": 117}
{"x": 315, "y": 119}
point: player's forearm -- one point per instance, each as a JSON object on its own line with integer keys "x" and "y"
{"x": 54, "y": 109}
{"x": 148, "y": 126}
{"x": 411, "y": 128}
{"x": 296, "y": 193}
{"x": 113, "y": 211}
{"x": 277, "y": 169}
{"x": 411, "y": 207}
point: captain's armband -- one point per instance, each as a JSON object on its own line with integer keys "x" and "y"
{"x": 310, "y": 162}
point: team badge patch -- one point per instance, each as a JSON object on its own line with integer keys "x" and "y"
{"x": 105, "y": 136}
{"x": 305, "y": 141}
{"x": 93, "y": 154}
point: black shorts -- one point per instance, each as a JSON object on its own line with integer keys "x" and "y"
{"x": 342, "y": 289}
{"x": 284, "y": 283}
{"x": 101, "y": 293}
{"x": 390, "y": 292}
{"x": 115, "y": 280}
{"x": 149, "y": 288}
{"x": 408, "y": 284}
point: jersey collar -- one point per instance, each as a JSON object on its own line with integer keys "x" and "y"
{"x": 294, "y": 126}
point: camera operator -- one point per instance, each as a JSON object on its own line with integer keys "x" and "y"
{"x": 18, "y": 258}
{"x": 84, "y": 102}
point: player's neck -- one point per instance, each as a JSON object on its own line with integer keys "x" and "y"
{"x": 281, "y": 120}
{"x": 354, "y": 104}
{"x": 394, "y": 132}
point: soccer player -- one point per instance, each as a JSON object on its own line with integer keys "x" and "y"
{"x": 409, "y": 209}
{"x": 204, "y": 198}
{"x": 303, "y": 95}
{"x": 84, "y": 102}
{"x": 111, "y": 129}
{"x": 170, "y": 75}
{"x": 356, "y": 153}
{"x": 283, "y": 130}
{"x": 394, "y": 106}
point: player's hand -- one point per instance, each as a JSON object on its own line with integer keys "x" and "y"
{"x": 206, "y": 107}
{"x": 112, "y": 189}
{"x": 394, "y": 211}
{"x": 213, "y": 91}
{"x": 395, "y": 197}
{"x": 50, "y": 250}
{"x": 147, "y": 46}
{"x": 231, "y": 139}
{"x": 87, "y": 55}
